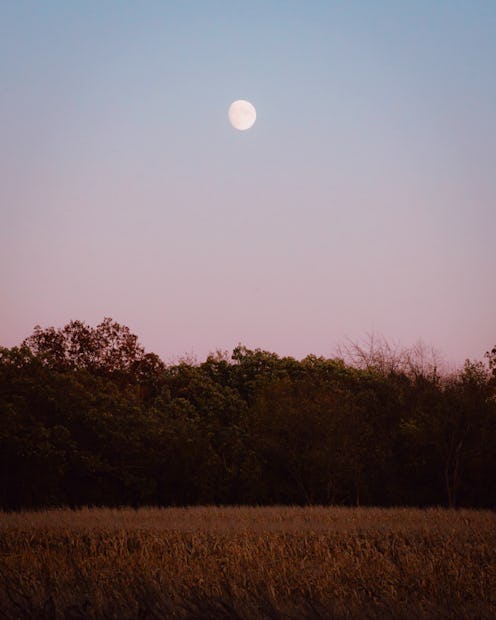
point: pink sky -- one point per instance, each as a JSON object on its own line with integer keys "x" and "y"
{"x": 362, "y": 200}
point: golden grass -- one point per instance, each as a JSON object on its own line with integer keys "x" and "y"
{"x": 248, "y": 563}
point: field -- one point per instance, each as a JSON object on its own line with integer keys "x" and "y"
{"x": 248, "y": 563}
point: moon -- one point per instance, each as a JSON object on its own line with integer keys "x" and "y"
{"x": 242, "y": 114}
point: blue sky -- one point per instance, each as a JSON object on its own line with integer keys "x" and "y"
{"x": 363, "y": 199}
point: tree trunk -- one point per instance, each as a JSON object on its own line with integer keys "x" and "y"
{"x": 451, "y": 473}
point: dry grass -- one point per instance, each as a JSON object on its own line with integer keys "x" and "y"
{"x": 248, "y": 563}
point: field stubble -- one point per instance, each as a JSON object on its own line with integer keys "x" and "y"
{"x": 246, "y": 563}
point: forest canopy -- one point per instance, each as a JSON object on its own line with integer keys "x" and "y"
{"x": 87, "y": 417}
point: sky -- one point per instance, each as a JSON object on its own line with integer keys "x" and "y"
{"x": 363, "y": 200}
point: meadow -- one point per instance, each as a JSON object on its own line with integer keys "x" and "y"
{"x": 248, "y": 562}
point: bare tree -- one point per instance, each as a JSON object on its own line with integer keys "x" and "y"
{"x": 377, "y": 353}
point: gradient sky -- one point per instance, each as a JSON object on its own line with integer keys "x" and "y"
{"x": 362, "y": 200}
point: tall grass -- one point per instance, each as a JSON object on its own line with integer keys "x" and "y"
{"x": 248, "y": 563}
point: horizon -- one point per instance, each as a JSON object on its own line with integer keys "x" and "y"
{"x": 360, "y": 202}
{"x": 354, "y": 353}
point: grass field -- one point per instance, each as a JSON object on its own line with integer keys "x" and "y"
{"x": 248, "y": 563}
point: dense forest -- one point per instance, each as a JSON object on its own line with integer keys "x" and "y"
{"x": 87, "y": 417}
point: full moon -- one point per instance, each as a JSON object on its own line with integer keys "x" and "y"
{"x": 242, "y": 114}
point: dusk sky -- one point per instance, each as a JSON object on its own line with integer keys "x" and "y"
{"x": 362, "y": 200}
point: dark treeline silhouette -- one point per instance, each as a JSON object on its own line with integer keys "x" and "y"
{"x": 88, "y": 418}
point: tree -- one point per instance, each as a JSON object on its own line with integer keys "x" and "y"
{"x": 107, "y": 348}
{"x": 87, "y": 417}
{"x": 378, "y": 355}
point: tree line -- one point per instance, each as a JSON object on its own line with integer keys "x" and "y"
{"x": 87, "y": 417}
